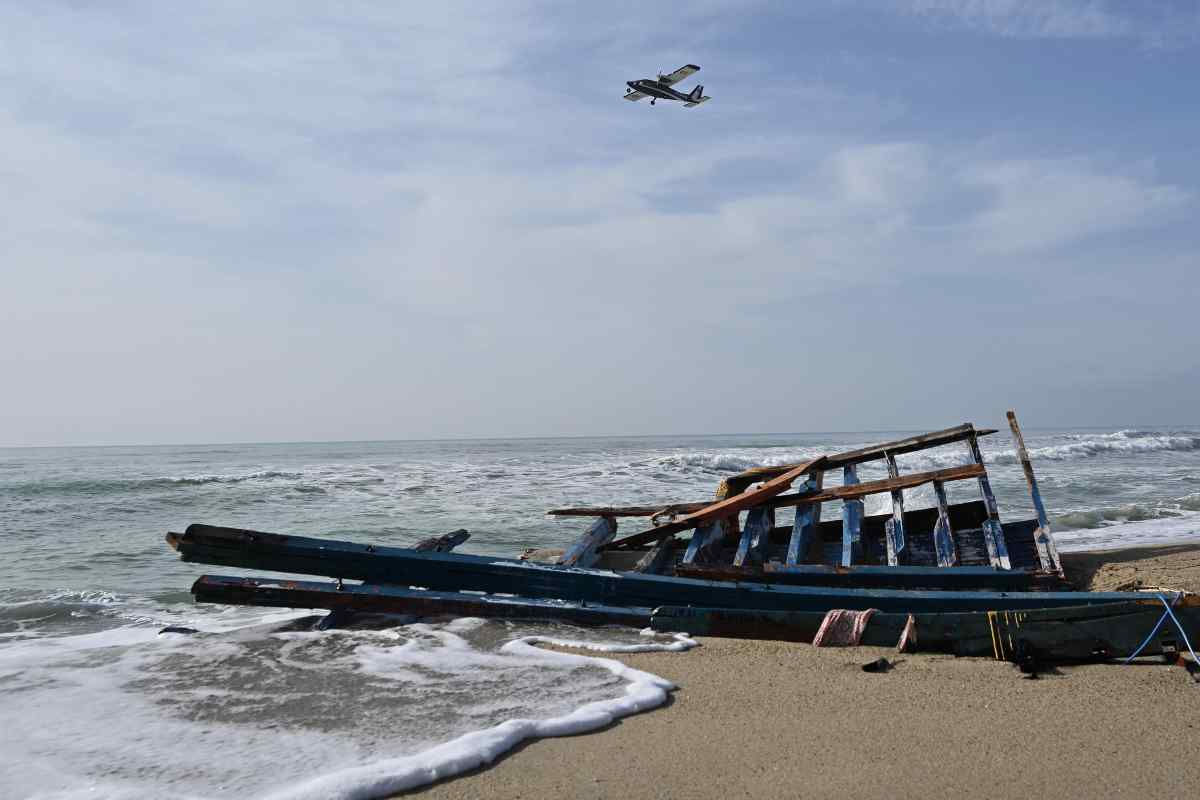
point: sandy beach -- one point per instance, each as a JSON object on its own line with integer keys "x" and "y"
{"x": 772, "y": 719}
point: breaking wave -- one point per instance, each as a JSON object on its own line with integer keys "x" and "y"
{"x": 732, "y": 462}
{"x": 1126, "y": 442}
{"x": 125, "y": 485}
{"x": 1119, "y": 443}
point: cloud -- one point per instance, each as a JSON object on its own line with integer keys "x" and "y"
{"x": 422, "y": 221}
{"x": 1035, "y": 19}
{"x": 1041, "y": 204}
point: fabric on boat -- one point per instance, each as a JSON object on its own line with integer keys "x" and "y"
{"x": 842, "y": 628}
{"x": 908, "y": 636}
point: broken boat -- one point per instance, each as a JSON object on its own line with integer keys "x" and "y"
{"x": 953, "y": 578}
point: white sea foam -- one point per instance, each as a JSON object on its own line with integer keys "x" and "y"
{"x": 346, "y": 713}
{"x": 478, "y": 748}
{"x": 1076, "y": 446}
{"x": 1119, "y": 443}
{"x": 1184, "y": 527}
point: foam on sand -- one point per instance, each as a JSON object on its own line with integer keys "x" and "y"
{"x": 295, "y": 712}
{"x": 643, "y": 691}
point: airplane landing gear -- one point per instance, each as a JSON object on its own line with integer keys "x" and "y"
{"x": 651, "y": 102}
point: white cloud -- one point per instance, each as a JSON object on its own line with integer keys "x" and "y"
{"x": 384, "y": 209}
{"x": 1042, "y": 204}
{"x": 1049, "y": 19}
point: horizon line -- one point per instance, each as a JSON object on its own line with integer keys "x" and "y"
{"x": 545, "y": 436}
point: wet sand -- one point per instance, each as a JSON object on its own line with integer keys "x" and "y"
{"x": 774, "y": 719}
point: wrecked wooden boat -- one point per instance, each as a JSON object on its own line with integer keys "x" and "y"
{"x": 1101, "y": 631}
{"x": 736, "y": 573}
{"x": 922, "y": 548}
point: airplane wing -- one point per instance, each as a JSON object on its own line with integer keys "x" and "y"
{"x": 634, "y": 96}
{"x": 679, "y": 74}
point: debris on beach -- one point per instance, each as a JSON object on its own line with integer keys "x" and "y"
{"x": 953, "y": 578}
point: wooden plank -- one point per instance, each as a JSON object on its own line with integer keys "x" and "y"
{"x": 657, "y": 558}
{"x": 874, "y": 452}
{"x": 752, "y": 546}
{"x": 723, "y": 508}
{"x": 808, "y": 517}
{"x": 348, "y": 599}
{"x": 876, "y": 576}
{"x": 444, "y": 543}
{"x": 852, "y": 514}
{"x": 628, "y": 511}
{"x": 993, "y": 532}
{"x": 1067, "y": 634}
{"x": 1047, "y": 552}
{"x": 894, "y": 529}
{"x": 943, "y": 536}
{"x": 383, "y": 564}
{"x": 838, "y": 493}
{"x": 585, "y": 552}
{"x": 729, "y": 525}
{"x": 705, "y": 543}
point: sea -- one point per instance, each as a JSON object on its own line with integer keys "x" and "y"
{"x": 97, "y": 701}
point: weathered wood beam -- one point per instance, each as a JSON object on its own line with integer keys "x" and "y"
{"x": 444, "y": 543}
{"x": 993, "y": 532}
{"x": 752, "y": 546}
{"x": 852, "y": 515}
{"x": 723, "y": 508}
{"x": 706, "y": 540}
{"x": 874, "y": 452}
{"x": 894, "y": 528}
{"x": 585, "y": 551}
{"x": 804, "y": 529}
{"x": 837, "y": 493}
{"x": 657, "y": 557}
{"x": 943, "y": 536}
{"x": 729, "y": 525}
{"x": 1047, "y": 552}
{"x": 628, "y": 511}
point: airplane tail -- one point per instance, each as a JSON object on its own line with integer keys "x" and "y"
{"x": 696, "y": 94}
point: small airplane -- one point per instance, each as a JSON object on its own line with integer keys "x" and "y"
{"x": 660, "y": 88}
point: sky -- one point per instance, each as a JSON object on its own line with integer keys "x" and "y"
{"x": 297, "y": 222}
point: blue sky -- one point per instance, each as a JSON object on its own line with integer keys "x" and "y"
{"x": 259, "y": 223}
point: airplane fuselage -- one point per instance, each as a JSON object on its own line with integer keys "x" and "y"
{"x": 653, "y": 88}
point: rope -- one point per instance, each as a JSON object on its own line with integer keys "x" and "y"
{"x": 1171, "y": 615}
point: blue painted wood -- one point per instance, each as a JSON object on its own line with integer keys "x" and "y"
{"x": 943, "y": 536}
{"x": 852, "y": 515}
{"x": 752, "y": 546}
{"x": 1047, "y": 551}
{"x": 864, "y": 576}
{"x": 346, "y": 599}
{"x": 585, "y": 552}
{"x": 894, "y": 528}
{"x": 1068, "y": 633}
{"x": 993, "y": 532}
{"x": 705, "y": 541}
{"x": 658, "y": 557}
{"x": 808, "y": 517}
{"x": 256, "y": 550}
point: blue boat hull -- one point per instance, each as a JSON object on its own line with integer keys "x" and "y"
{"x": 455, "y": 572}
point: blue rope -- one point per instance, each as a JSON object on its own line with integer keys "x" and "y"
{"x": 1182, "y": 632}
{"x": 1142, "y": 646}
{"x": 1167, "y": 614}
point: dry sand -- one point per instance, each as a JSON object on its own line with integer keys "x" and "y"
{"x": 773, "y": 719}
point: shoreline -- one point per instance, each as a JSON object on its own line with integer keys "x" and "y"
{"x": 774, "y": 719}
